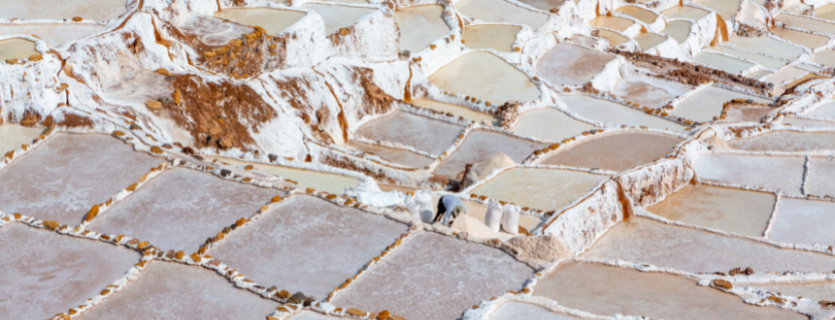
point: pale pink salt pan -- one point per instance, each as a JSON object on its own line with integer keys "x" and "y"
{"x": 769, "y": 172}
{"x": 412, "y": 130}
{"x": 567, "y": 64}
{"x": 480, "y": 145}
{"x": 616, "y": 151}
{"x": 804, "y": 222}
{"x": 517, "y": 310}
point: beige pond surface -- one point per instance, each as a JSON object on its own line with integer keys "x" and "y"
{"x": 445, "y": 274}
{"x": 605, "y": 290}
{"x": 642, "y": 240}
{"x": 614, "y": 151}
{"x": 549, "y": 124}
{"x": 614, "y": 23}
{"x": 821, "y": 175}
{"x": 759, "y": 75}
{"x": 826, "y": 12}
{"x": 769, "y": 172}
{"x": 825, "y": 57}
{"x": 648, "y": 40}
{"x": 709, "y": 102}
{"x": 643, "y": 15}
{"x": 543, "y": 189}
{"x": 747, "y": 113}
{"x": 824, "y": 111}
{"x": 567, "y": 64}
{"x": 599, "y": 110}
{"x": 53, "y": 33}
{"x": 649, "y": 91}
{"x": 517, "y": 310}
{"x": 272, "y": 20}
{"x": 816, "y": 291}
{"x": 786, "y": 75}
{"x": 454, "y": 109}
{"x": 409, "y": 129}
{"x": 485, "y": 76}
{"x": 337, "y": 16}
{"x": 45, "y": 273}
{"x": 789, "y": 141}
{"x": 768, "y": 62}
{"x": 480, "y": 145}
{"x": 199, "y": 293}
{"x": 807, "y": 23}
{"x": 13, "y": 136}
{"x": 765, "y": 45}
{"x": 329, "y": 182}
{"x": 501, "y": 11}
{"x": 800, "y": 122}
{"x": 65, "y": 176}
{"x": 16, "y": 48}
{"x": 721, "y": 62}
{"x": 397, "y": 156}
{"x": 808, "y": 40}
{"x": 97, "y": 10}
{"x": 804, "y": 222}
{"x": 491, "y": 36}
{"x": 328, "y": 244}
{"x": 725, "y": 8}
{"x": 684, "y": 12}
{"x": 420, "y": 25}
{"x": 678, "y": 29}
{"x": 181, "y": 208}
{"x": 726, "y": 209}
{"x": 614, "y": 38}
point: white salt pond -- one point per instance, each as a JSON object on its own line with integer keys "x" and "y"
{"x": 617, "y": 151}
{"x": 648, "y": 40}
{"x": 54, "y": 34}
{"x": 337, "y": 16}
{"x": 725, "y": 8}
{"x": 397, "y": 156}
{"x": 96, "y": 10}
{"x": 821, "y": 175}
{"x": 491, "y": 36}
{"x": 455, "y": 110}
{"x": 804, "y": 222}
{"x": 825, "y": 111}
{"x": 485, "y": 76}
{"x": 15, "y": 135}
{"x": 808, "y": 40}
{"x": 518, "y": 310}
{"x": 721, "y": 62}
{"x": 549, "y": 124}
{"x": 567, "y": 64}
{"x": 420, "y": 26}
{"x": 613, "y": 114}
{"x": 709, "y": 102}
{"x": 768, "y": 62}
{"x": 816, "y": 291}
{"x": 479, "y": 145}
{"x": 786, "y": 75}
{"x": 768, "y": 172}
{"x": 329, "y": 182}
{"x": 684, "y": 12}
{"x": 272, "y": 20}
{"x": 543, "y": 189}
{"x": 826, "y": 12}
{"x": 787, "y": 141}
{"x": 765, "y": 45}
{"x": 649, "y": 91}
{"x": 17, "y": 48}
{"x": 678, "y": 29}
{"x": 825, "y": 57}
{"x": 501, "y": 11}
{"x": 413, "y": 130}
{"x": 806, "y": 23}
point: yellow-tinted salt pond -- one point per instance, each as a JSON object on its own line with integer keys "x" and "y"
{"x": 599, "y": 110}
{"x": 684, "y": 12}
{"x": 709, "y": 102}
{"x": 543, "y": 189}
{"x": 53, "y": 33}
{"x": 725, "y": 8}
{"x": 491, "y": 36}
{"x": 806, "y": 23}
{"x": 678, "y": 29}
{"x": 648, "y": 40}
{"x": 501, "y": 11}
{"x": 825, "y": 57}
{"x": 614, "y": 23}
{"x": 606, "y": 290}
{"x": 329, "y": 182}
{"x": 643, "y": 15}
{"x": 96, "y": 10}
{"x": 485, "y": 76}
{"x": 337, "y": 16}
{"x": 721, "y": 62}
{"x": 272, "y": 20}
{"x": 826, "y": 12}
{"x": 614, "y": 151}
{"x": 16, "y": 48}
{"x": 420, "y": 25}
{"x": 549, "y": 124}
{"x": 614, "y": 38}
{"x": 12, "y": 136}
{"x": 788, "y": 141}
{"x": 727, "y": 209}
{"x": 808, "y": 40}
{"x": 456, "y": 110}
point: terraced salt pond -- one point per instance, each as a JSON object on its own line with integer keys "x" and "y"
{"x": 769, "y": 172}
{"x": 485, "y": 76}
{"x": 825, "y": 111}
{"x": 726, "y": 209}
{"x": 337, "y": 16}
{"x": 455, "y": 110}
{"x": 725, "y": 8}
{"x": 614, "y": 38}
{"x": 549, "y": 124}
{"x": 649, "y": 91}
{"x": 820, "y": 179}
{"x": 567, "y": 64}
{"x": 647, "y": 41}
{"x": 543, "y": 189}
{"x": 826, "y": 12}
{"x": 614, "y": 151}
{"x": 768, "y": 62}
{"x": 420, "y": 26}
{"x": 803, "y": 222}
{"x": 500, "y": 11}
{"x": 613, "y": 114}
{"x": 643, "y": 15}
{"x": 516, "y": 310}
{"x": 806, "y": 23}
{"x": 328, "y": 182}
{"x": 54, "y": 34}
{"x": 17, "y": 48}
{"x": 788, "y": 141}
{"x": 273, "y": 20}
{"x": 605, "y": 290}
{"x": 480, "y": 145}
{"x": 614, "y": 23}
{"x": 408, "y": 129}
{"x": 678, "y": 30}
{"x": 491, "y": 36}
{"x": 684, "y": 12}
{"x": 96, "y": 10}
{"x": 765, "y": 45}
{"x": 709, "y": 102}
{"x": 722, "y": 62}
{"x": 816, "y": 291}
{"x": 397, "y": 156}
{"x": 808, "y": 40}
{"x": 15, "y": 135}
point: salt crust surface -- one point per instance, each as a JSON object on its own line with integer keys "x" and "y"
{"x": 307, "y": 244}
{"x": 181, "y": 208}
{"x": 15, "y": 135}
{"x": 543, "y": 189}
{"x": 434, "y": 277}
{"x": 617, "y": 151}
{"x": 45, "y": 273}
{"x": 804, "y": 221}
{"x": 772, "y": 173}
{"x": 549, "y": 124}
{"x": 405, "y": 128}
{"x": 516, "y": 310}
{"x": 68, "y": 174}
{"x": 480, "y": 145}
{"x": 167, "y": 290}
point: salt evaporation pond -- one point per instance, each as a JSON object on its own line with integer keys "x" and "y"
{"x": 397, "y": 156}
{"x": 614, "y": 38}
{"x": 647, "y": 40}
{"x": 420, "y": 26}
{"x": 708, "y": 103}
{"x": 15, "y": 135}
{"x": 542, "y": 189}
{"x": 610, "y": 113}
{"x": 649, "y": 91}
{"x": 826, "y": 12}
{"x": 480, "y": 145}
{"x": 517, "y": 310}
{"x": 768, "y": 62}
{"x": 549, "y": 124}
{"x": 684, "y": 12}
{"x": 329, "y": 182}
{"x": 816, "y": 291}
{"x": 806, "y": 23}
{"x": 725, "y": 8}
{"x": 788, "y": 141}
{"x": 765, "y": 45}
{"x": 272, "y": 20}
{"x": 491, "y": 36}
{"x": 485, "y": 76}
{"x": 757, "y": 171}
{"x": 803, "y": 222}
{"x": 337, "y": 16}
{"x": 825, "y": 57}
{"x": 96, "y": 10}
{"x": 567, "y": 64}
{"x": 54, "y": 34}
{"x": 455, "y": 110}
{"x": 643, "y": 15}
{"x": 808, "y": 40}
{"x": 17, "y": 48}
{"x": 825, "y": 111}
{"x": 614, "y": 151}
{"x": 606, "y": 290}
{"x": 609, "y": 22}
{"x": 678, "y": 29}
{"x": 543, "y": 5}
{"x": 722, "y": 62}
{"x": 501, "y": 11}
{"x": 820, "y": 179}
{"x": 413, "y": 130}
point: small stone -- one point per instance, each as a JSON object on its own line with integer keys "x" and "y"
{"x": 240, "y": 222}
{"x": 719, "y": 283}
{"x": 777, "y": 299}
{"x": 275, "y": 199}
{"x": 118, "y": 133}
{"x": 283, "y": 294}
{"x": 179, "y": 255}
{"x": 296, "y": 298}
{"x": 383, "y": 315}
{"x": 156, "y": 150}
{"x": 29, "y": 121}
{"x": 52, "y": 225}
{"x": 273, "y": 158}
{"x": 355, "y": 312}
{"x": 77, "y": 19}
{"x": 331, "y": 196}
{"x": 195, "y": 257}
{"x": 225, "y": 173}
{"x": 249, "y": 167}
{"x": 92, "y": 213}
{"x": 153, "y": 104}
{"x": 142, "y": 245}
{"x": 162, "y": 71}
